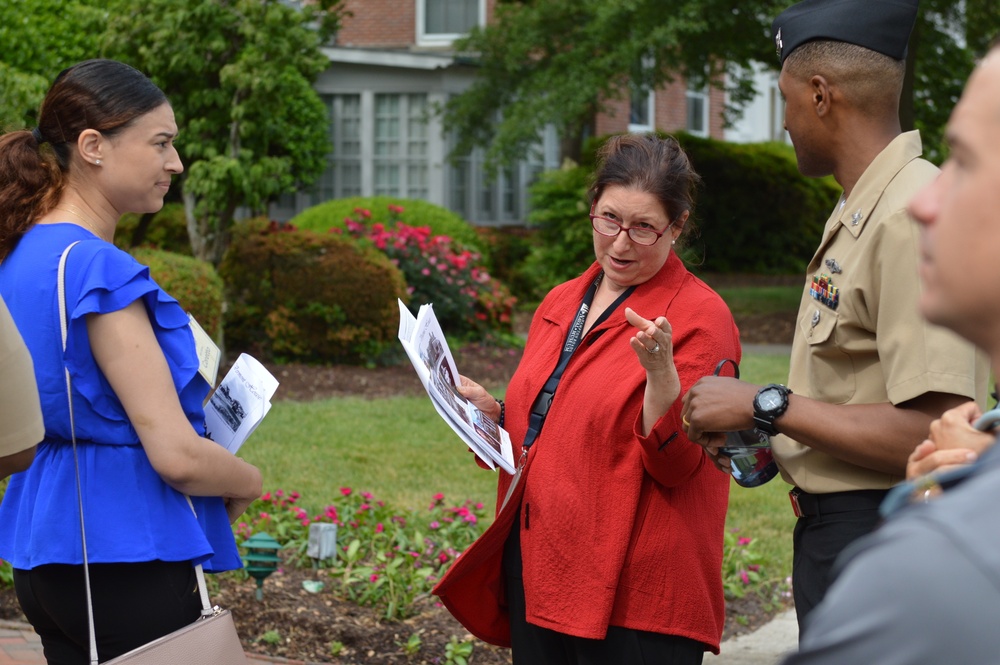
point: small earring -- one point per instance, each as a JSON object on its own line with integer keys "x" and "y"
{"x": 673, "y": 242}
{"x": 97, "y": 161}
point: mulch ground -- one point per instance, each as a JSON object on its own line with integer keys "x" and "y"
{"x": 298, "y": 625}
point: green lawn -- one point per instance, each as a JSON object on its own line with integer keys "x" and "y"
{"x": 401, "y": 451}
{"x": 761, "y": 299}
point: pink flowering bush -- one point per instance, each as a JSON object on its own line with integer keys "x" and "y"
{"x": 467, "y": 300}
{"x": 386, "y": 559}
{"x": 741, "y": 565}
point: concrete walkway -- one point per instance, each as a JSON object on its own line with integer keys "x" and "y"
{"x": 20, "y": 646}
{"x": 765, "y": 646}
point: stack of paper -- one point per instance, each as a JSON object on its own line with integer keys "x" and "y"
{"x": 428, "y": 350}
{"x": 239, "y": 403}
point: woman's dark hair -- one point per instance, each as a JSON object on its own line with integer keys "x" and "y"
{"x": 650, "y": 164}
{"x": 96, "y": 94}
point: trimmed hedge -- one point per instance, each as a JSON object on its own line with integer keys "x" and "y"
{"x": 331, "y": 214}
{"x": 300, "y": 295}
{"x": 756, "y": 213}
{"x": 195, "y": 284}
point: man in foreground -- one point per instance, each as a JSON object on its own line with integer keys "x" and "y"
{"x": 867, "y": 373}
{"x": 924, "y": 588}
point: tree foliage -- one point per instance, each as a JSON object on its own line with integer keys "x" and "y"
{"x": 38, "y": 43}
{"x": 239, "y": 75}
{"x": 560, "y": 62}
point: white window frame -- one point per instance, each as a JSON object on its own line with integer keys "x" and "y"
{"x": 440, "y": 39}
{"x": 650, "y": 112}
{"x": 703, "y": 96}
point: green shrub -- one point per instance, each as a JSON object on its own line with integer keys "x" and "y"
{"x": 331, "y": 214}
{"x": 508, "y": 247}
{"x": 195, "y": 284}
{"x": 755, "y": 212}
{"x": 168, "y": 230}
{"x": 298, "y": 295}
{"x": 564, "y": 244}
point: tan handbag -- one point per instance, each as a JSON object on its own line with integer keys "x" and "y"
{"x": 212, "y": 639}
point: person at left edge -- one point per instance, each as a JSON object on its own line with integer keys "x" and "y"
{"x": 21, "y": 425}
{"x": 104, "y": 146}
{"x": 610, "y": 548}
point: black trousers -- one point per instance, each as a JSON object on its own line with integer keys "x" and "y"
{"x": 134, "y": 603}
{"x": 534, "y": 645}
{"x": 818, "y": 540}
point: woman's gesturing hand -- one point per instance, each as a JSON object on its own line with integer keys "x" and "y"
{"x": 653, "y": 346}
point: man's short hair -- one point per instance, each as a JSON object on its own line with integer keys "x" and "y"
{"x": 867, "y": 78}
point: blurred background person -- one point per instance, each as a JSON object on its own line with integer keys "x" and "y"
{"x": 20, "y": 412}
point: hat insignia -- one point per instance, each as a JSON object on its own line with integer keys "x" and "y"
{"x": 777, "y": 43}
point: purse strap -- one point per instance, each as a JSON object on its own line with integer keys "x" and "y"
{"x": 207, "y": 609}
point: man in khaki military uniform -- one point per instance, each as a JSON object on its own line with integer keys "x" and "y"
{"x": 922, "y": 589}
{"x": 20, "y": 412}
{"x": 867, "y": 373}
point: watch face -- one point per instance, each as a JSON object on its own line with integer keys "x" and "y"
{"x": 770, "y": 400}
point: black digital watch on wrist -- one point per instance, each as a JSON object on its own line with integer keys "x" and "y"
{"x": 769, "y": 404}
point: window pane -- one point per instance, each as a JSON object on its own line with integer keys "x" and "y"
{"x": 450, "y": 17}
{"x": 639, "y": 109}
{"x": 696, "y": 113}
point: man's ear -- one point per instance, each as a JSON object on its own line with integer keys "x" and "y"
{"x": 821, "y": 97}
{"x": 90, "y": 143}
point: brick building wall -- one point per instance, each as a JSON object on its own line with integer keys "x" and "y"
{"x": 384, "y": 23}
{"x": 379, "y": 23}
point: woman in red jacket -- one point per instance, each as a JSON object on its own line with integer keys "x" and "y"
{"x": 607, "y": 546}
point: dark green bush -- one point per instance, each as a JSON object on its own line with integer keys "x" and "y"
{"x": 443, "y": 222}
{"x": 168, "y": 230}
{"x": 755, "y": 212}
{"x": 299, "y": 295}
{"x": 195, "y": 284}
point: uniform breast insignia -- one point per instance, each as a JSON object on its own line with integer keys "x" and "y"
{"x": 856, "y": 217}
{"x": 833, "y": 266}
{"x": 823, "y": 290}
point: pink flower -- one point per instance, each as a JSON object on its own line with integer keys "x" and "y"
{"x": 435, "y": 525}
{"x": 745, "y": 541}
{"x": 379, "y": 528}
{"x": 744, "y": 577}
{"x": 373, "y": 578}
{"x": 346, "y": 491}
{"x": 367, "y": 496}
{"x": 442, "y": 558}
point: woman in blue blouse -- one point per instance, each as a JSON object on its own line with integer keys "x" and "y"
{"x": 104, "y": 147}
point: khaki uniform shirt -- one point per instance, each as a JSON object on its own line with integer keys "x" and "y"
{"x": 21, "y": 424}
{"x": 860, "y": 337}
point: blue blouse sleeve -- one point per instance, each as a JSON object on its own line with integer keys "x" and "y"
{"x": 101, "y": 278}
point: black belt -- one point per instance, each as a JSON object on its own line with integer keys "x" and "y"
{"x": 805, "y": 504}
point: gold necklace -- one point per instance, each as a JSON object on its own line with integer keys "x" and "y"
{"x": 83, "y": 217}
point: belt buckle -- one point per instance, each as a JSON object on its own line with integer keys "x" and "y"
{"x": 793, "y": 496}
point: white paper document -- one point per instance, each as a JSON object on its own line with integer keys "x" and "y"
{"x": 239, "y": 403}
{"x": 425, "y": 344}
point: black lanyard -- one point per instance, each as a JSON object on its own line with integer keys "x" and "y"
{"x": 543, "y": 402}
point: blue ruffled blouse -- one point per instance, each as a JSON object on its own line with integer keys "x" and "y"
{"x": 131, "y": 514}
